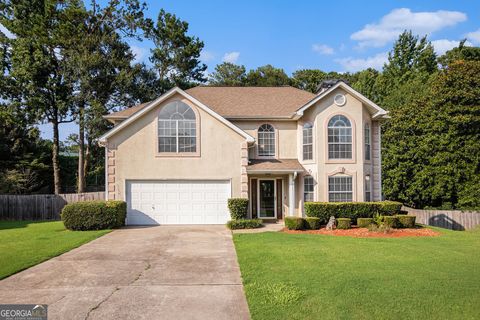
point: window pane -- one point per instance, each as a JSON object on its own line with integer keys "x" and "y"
{"x": 186, "y": 144}
{"x": 340, "y": 189}
{"x": 167, "y": 144}
{"x": 308, "y": 186}
{"x": 266, "y": 140}
{"x": 177, "y": 125}
{"x": 339, "y": 138}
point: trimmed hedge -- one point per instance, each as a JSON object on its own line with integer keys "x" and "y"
{"x": 352, "y": 210}
{"x": 238, "y": 208}
{"x": 344, "y": 223}
{"x": 294, "y": 223}
{"x": 390, "y": 221}
{"x": 364, "y": 222}
{"x": 94, "y": 215}
{"x": 244, "y": 224}
{"x": 312, "y": 223}
{"x": 405, "y": 221}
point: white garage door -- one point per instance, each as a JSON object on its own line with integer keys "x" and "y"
{"x": 177, "y": 202}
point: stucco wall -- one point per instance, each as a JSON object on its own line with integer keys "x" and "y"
{"x": 136, "y": 157}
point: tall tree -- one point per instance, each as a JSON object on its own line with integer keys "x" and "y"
{"x": 462, "y": 52}
{"x": 366, "y": 83}
{"x": 176, "y": 56}
{"x": 267, "y": 76}
{"x": 228, "y": 74}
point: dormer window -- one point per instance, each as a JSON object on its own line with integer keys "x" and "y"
{"x": 266, "y": 141}
{"x": 177, "y": 129}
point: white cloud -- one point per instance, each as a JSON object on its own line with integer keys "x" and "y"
{"x": 7, "y": 32}
{"x": 206, "y": 56}
{"x": 474, "y": 36}
{"x": 323, "y": 49}
{"x": 443, "y": 45}
{"x": 398, "y": 20}
{"x": 357, "y": 64}
{"x": 140, "y": 53}
{"x": 231, "y": 57}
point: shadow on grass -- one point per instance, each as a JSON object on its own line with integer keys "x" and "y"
{"x": 7, "y": 224}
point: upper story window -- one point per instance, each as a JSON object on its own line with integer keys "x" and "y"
{"x": 340, "y": 188}
{"x": 367, "y": 137}
{"x": 266, "y": 141}
{"x": 339, "y": 138}
{"x": 368, "y": 188}
{"x": 308, "y": 185}
{"x": 177, "y": 129}
{"x": 307, "y": 141}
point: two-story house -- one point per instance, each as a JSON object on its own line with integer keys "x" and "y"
{"x": 177, "y": 159}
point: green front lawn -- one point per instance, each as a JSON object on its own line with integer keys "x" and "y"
{"x": 27, "y": 243}
{"x": 300, "y": 276}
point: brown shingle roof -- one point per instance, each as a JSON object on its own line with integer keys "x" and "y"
{"x": 249, "y": 102}
{"x": 275, "y": 165}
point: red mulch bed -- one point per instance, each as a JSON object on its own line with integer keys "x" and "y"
{"x": 364, "y": 233}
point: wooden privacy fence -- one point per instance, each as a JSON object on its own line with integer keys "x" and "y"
{"x": 41, "y": 206}
{"x": 448, "y": 219}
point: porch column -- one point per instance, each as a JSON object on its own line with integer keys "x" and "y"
{"x": 291, "y": 194}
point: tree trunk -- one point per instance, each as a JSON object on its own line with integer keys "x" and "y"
{"x": 55, "y": 158}
{"x": 86, "y": 162}
{"x": 81, "y": 149}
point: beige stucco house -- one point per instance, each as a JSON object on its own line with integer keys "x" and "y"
{"x": 177, "y": 159}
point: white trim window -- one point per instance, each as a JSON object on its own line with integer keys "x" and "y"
{"x": 177, "y": 128}
{"x": 340, "y": 188}
{"x": 339, "y": 138}
{"x": 307, "y": 141}
{"x": 368, "y": 188}
{"x": 308, "y": 185}
{"x": 367, "y": 137}
{"x": 266, "y": 140}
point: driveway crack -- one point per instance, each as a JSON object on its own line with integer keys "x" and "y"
{"x": 101, "y": 302}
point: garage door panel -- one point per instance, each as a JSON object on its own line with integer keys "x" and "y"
{"x": 177, "y": 202}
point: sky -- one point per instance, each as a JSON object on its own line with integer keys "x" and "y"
{"x": 328, "y": 35}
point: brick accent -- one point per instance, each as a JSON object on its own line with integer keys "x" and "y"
{"x": 243, "y": 170}
{"x": 111, "y": 153}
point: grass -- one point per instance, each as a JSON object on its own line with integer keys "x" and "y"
{"x": 301, "y": 276}
{"x": 27, "y": 243}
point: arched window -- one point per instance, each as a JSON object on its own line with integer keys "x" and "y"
{"x": 307, "y": 141}
{"x": 339, "y": 138}
{"x": 266, "y": 140}
{"x": 366, "y": 133}
{"x": 177, "y": 129}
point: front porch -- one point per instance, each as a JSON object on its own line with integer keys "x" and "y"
{"x": 273, "y": 188}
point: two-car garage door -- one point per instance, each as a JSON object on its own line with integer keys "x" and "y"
{"x": 177, "y": 202}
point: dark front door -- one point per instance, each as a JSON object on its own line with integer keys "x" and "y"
{"x": 266, "y": 203}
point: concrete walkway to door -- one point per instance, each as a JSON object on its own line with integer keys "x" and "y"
{"x": 167, "y": 272}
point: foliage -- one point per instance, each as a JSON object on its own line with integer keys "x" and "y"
{"x": 352, "y": 210}
{"x": 238, "y": 208}
{"x": 228, "y": 74}
{"x": 462, "y": 52}
{"x": 313, "y": 223}
{"x": 390, "y": 221}
{"x": 294, "y": 223}
{"x": 94, "y": 215}
{"x": 244, "y": 224}
{"x": 406, "y": 221}
{"x": 364, "y": 222}
{"x": 267, "y": 76}
{"x": 27, "y": 243}
{"x": 310, "y": 79}
{"x": 344, "y": 223}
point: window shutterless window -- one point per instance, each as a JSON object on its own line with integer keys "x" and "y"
{"x": 177, "y": 129}
{"x": 339, "y": 138}
{"x": 307, "y": 141}
{"x": 308, "y": 185}
{"x": 366, "y": 133}
{"x": 266, "y": 141}
{"x": 340, "y": 189}
{"x": 368, "y": 193}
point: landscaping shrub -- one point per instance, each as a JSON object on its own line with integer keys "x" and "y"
{"x": 94, "y": 215}
{"x": 352, "y": 210}
{"x": 344, "y": 223}
{"x": 312, "y": 223}
{"x": 364, "y": 222}
{"x": 294, "y": 223}
{"x": 238, "y": 208}
{"x": 244, "y": 224}
{"x": 405, "y": 221}
{"x": 390, "y": 221}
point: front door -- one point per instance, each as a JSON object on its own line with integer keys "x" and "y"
{"x": 266, "y": 199}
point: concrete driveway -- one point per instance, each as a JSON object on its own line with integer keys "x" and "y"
{"x": 167, "y": 272}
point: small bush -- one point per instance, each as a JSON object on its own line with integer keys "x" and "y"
{"x": 390, "y": 221}
{"x": 312, "y": 223}
{"x": 244, "y": 224}
{"x": 364, "y": 222}
{"x": 379, "y": 228}
{"x": 344, "y": 223}
{"x": 94, "y": 215}
{"x": 405, "y": 221}
{"x": 238, "y": 208}
{"x": 294, "y": 223}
